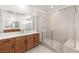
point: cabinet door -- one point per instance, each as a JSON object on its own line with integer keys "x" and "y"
{"x": 36, "y": 39}
{"x": 29, "y": 40}
{"x": 20, "y": 44}
{"x": 6, "y": 46}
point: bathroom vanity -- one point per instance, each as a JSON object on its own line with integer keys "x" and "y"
{"x": 17, "y": 42}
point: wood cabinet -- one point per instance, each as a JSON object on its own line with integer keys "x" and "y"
{"x": 32, "y": 40}
{"x": 6, "y": 45}
{"x": 20, "y": 44}
{"x": 36, "y": 39}
{"x": 29, "y": 41}
{"x": 11, "y": 30}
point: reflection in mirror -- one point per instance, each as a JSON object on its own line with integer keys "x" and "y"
{"x": 30, "y": 23}
{"x": 27, "y": 24}
{"x": 12, "y": 22}
{"x": 15, "y": 24}
{"x": 8, "y": 18}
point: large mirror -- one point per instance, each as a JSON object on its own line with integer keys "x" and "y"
{"x": 13, "y": 22}
{"x": 9, "y": 20}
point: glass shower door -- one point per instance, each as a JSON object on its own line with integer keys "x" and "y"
{"x": 47, "y": 38}
{"x": 62, "y": 25}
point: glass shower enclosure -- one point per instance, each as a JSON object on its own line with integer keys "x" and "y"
{"x": 59, "y": 30}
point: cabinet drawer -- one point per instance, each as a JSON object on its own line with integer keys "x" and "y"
{"x": 7, "y": 40}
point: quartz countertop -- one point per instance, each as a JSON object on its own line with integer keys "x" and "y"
{"x": 15, "y": 34}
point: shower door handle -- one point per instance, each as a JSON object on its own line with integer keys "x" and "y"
{"x": 42, "y": 38}
{"x": 51, "y": 38}
{"x": 51, "y": 35}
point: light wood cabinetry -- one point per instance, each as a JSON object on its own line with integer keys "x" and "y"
{"x": 36, "y": 39}
{"x": 6, "y": 45}
{"x": 32, "y": 41}
{"x": 10, "y": 30}
{"x": 29, "y": 41}
{"x": 19, "y": 44}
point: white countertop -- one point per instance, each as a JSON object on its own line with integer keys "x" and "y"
{"x": 15, "y": 34}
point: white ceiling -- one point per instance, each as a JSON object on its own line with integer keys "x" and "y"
{"x": 46, "y": 8}
{"x": 29, "y": 9}
{"x": 17, "y": 9}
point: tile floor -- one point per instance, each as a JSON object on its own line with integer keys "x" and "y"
{"x": 40, "y": 49}
{"x": 54, "y": 44}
